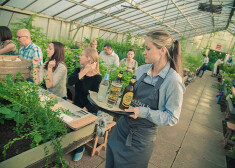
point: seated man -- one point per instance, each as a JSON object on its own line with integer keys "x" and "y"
{"x": 109, "y": 56}
{"x": 230, "y": 61}
{"x": 29, "y": 50}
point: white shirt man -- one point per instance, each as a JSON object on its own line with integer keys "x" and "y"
{"x": 109, "y": 56}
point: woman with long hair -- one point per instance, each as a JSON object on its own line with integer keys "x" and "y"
{"x": 7, "y": 46}
{"x": 86, "y": 77}
{"x": 157, "y": 101}
{"x": 54, "y": 71}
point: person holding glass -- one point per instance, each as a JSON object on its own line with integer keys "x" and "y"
{"x": 52, "y": 72}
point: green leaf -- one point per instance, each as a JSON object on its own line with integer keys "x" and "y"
{"x": 37, "y": 138}
{"x": 19, "y": 118}
{"x": 1, "y": 121}
{"x": 4, "y": 110}
{"x": 11, "y": 115}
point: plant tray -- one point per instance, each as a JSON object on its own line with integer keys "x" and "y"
{"x": 10, "y": 64}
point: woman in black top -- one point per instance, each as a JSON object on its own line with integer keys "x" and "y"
{"x": 87, "y": 77}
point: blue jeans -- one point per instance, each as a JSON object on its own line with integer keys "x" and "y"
{"x": 203, "y": 68}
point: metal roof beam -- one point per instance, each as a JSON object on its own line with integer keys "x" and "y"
{"x": 4, "y": 2}
{"x": 64, "y": 10}
{"x": 96, "y": 20}
{"x": 155, "y": 24}
{"x": 153, "y": 17}
{"x": 12, "y": 9}
{"x": 29, "y": 5}
{"x": 98, "y": 10}
{"x": 183, "y": 14}
{"x": 233, "y": 33}
{"x": 107, "y": 14}
{"x": 165, "y": 21}
{"x": 231, "y": 14}
{"x": 212, "y": 16}
{"x": 49, "y": 6}
{"x": 155, "y": 12}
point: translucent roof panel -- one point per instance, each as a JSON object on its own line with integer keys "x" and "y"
{"x": 57, "y": 7}
{"x": 179, "y": 17}
{"x": 40, "y": 6}
{"x": 19, "y": 4}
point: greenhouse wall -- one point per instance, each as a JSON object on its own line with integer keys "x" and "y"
{"x": 59, "y": 29}
{"x": 222, "y": 41}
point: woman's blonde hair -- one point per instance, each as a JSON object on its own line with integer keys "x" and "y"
{"x": 161, "y": 38}
{"x": 93, "y": 55}
{"x": 92, "y": 43}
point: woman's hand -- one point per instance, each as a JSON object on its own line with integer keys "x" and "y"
{"x": 36, "y": 61}
{"x": 51, "y": 64}
{"x": 91, "y": 66}
{"x": 136, "y": 110}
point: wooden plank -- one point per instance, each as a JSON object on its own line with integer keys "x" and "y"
{"x": 83, "y": 122}
{"x": 10, "y": 61}
{"x": 14, "y": 70}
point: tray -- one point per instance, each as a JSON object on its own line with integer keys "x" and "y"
{"x": 92, "y": 97}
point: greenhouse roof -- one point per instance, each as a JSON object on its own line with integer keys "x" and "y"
{"x": 187, "y": 18}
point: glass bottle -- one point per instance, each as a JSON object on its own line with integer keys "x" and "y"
{"x": 104, "y": 86}
{"x": 128, "y": 94}
{"x": 115, "y": 90}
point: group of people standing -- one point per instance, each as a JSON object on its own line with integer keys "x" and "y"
{"x": 157, "y": 99}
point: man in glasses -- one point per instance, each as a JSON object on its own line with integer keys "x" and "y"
{"x": 29, "y": 50}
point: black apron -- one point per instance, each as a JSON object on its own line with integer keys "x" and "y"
{"x": 132, "y": 140}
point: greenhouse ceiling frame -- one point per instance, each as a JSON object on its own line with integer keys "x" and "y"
{"x": 179, "y": 17}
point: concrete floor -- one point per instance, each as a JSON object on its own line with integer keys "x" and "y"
{"x": 195, "y": 142}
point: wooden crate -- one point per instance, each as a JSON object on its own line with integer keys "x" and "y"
{"x": 9, "y": 65}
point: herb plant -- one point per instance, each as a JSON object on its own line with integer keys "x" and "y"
{"x": 34, "y": 118}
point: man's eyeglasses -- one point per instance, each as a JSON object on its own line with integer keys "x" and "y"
{"x": 18, "y": 37}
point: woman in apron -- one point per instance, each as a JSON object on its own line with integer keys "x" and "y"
{"x": 157, "y": 101}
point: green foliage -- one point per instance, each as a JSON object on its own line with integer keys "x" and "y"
{"x": 71, "y": 50}
{"x": 213, "y": 57}
{"x": 36, "y": 120}
{"x": 114, "y": 73}
{"x": 192, "y": 62}
{"x": 37, "y": 36}
{"x": 72, "y": 59}
{"x": 232, "y": 151}
{"x": 233, "y": 138}
{"x": 121, "y": 49}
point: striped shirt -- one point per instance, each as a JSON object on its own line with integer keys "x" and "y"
{"x": 31, "y": 51}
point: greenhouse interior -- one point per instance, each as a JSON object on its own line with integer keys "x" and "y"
{"x": 117, "y": 83}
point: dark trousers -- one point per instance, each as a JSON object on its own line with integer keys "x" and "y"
{"x": 203, "y": 68}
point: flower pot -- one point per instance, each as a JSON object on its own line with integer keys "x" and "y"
{"x": 36, "y": 157}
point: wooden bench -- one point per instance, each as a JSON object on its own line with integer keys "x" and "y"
{"x": 97, "y": 147}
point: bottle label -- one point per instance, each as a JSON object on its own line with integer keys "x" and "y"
{"x": 106, "y": 76}
{"x": 126, "y": 101}
{"x": 132, "y": 80}
{"x": 114, "y": 93}
{"x": 120, "y": 75}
